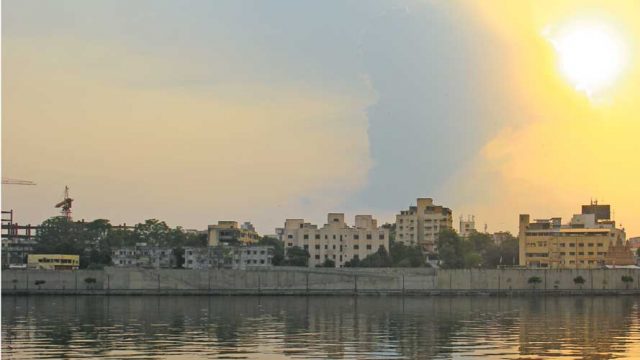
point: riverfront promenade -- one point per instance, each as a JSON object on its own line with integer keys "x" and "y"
{"x": 318, "y": 281}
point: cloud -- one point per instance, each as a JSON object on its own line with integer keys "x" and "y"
{"x": 134, "y": 141}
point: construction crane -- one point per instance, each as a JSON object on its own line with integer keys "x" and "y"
{"x": 65, "y": 204}
{"x": 6, "y": 181}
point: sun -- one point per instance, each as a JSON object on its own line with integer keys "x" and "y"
{"x": 591, "y": 56}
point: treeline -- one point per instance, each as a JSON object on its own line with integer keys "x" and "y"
{"x": 95, "y": 240}
{"x": 477, "y": 250}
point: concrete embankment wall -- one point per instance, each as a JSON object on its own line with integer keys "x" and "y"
{"x": 303, "y": 281}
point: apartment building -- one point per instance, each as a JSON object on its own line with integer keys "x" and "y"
{"x": 230, "y": 232}
{"x": 228, "y": 257}
{"x": 336, "y": 240}
{"x": 143, "y": 255}
{"x": 467, "y": 226}
{"x": 583, "y": 243}
{"x": 421, "y": 224}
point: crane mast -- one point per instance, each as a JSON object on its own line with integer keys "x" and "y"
{"x": 65, "y": 204}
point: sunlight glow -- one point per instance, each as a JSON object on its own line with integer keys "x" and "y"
{"x": 590, "y": 56}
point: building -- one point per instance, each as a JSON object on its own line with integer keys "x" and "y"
{"x": 467, "y": 226}
{"x": 422, "y": 223}
{"x": 53, "y": 262}
{"x": 252, "y": 256}
{"x": 143, "y": 255}
{"x": 336, "y": 240}
{"x": 228, "y": 257}
{"x": 583, "y": 243}
{"x": 231, "y": 233}
{"x": 17, "y": 241}
{"x": 500, "y": 237}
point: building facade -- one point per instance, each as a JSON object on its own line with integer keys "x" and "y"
{"x": 53, "y": 262}
{"x": 467, "y": 226}
{"x": 582, "y": 243}
{"x": 228, "y": 257}
{"x": 336, "y": 240}
{"x": 421, "y": 224}
{"x": 230, "y": 232}
{"x": 143, "y": 255}
{"x": 18, "y": 241}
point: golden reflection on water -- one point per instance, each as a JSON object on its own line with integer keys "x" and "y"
{"x": 320, "y": 327}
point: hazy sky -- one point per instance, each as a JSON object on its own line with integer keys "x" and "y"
{"x": 197, "y": 111}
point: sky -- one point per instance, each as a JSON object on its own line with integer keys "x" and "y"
{"x": 197, "y": 111}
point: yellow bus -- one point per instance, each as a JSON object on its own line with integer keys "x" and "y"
{"x": 53, "y": 262}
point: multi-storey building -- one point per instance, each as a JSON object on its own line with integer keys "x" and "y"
{"x": 581, "y": 244}
{"x": 421, "y": 224}
{"x": 467, "y": 226}
{"x": 336, "y": 240}
{"x": 231, "y": 233}
{"x": 143, "y": 255}
{"x": 228, "y": 257}
{"x": 17, "y": 241}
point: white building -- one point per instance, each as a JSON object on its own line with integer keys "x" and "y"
{"x": 228, "y": 257}
{"x": 336, "y": 240}
{"x": 467, "y": 226}
{"x": 143, "y": 255}
{"x": 421, "y": 224}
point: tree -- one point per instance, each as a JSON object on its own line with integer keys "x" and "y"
{"x": 579, "y": 280}
{"x": 297, "y": 256}
{"x": 380, "y": 258}
{"x": 90, "y": 282}
{"x": 406, "y": 255}
{"x": 153, "y": 232}
{"x": 328, "y": 263}
{"x": 450, "y": 249}
{"x": 278, "y": 249}
{"x": 39, "y": 283}
{"x": 627, "y": 280}
{"x": 534, "y": 280}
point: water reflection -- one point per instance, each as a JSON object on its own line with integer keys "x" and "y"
{"x": 319, "y": 327}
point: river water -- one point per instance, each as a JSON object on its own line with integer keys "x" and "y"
{"x": 173, "y": 327}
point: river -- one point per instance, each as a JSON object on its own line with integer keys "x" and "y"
{"x": 384, "y": 327}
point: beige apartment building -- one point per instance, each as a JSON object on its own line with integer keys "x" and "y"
{"x": 583, "y": 243}
{"x": 422, "y": 223}
{"x": 336, "y": 240}
{"x": 230, "y": 232}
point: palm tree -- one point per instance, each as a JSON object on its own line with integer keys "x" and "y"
{"x": 578, "y": 280}
{"x": 534, "y": 280}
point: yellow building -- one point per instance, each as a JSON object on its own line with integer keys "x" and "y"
{"x": 583, "y": 243}
{"x": 232, "y": 232}
{"x": 53, "y": 262}
{"x": 421, "y": 224}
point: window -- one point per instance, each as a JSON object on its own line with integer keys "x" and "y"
{"x": 581, "y": 245}
{"x": 289, "y": 236}
{"x": 356, "y": 247}
{"x": 590, "y": 244}
{"x": 334, "y": 236}
{"x": 368, "y": 246}
{"x": 326, "y": 246}
{"x": 572, "y": 253}
{"x": 356, "y": 237}
{"x": 368, "y": 236}
{"x": 305, "y": 236}
{"x": 306, "y": 247}
{"x": 572, "y": 245}
{"x": 590, "y": 252}
{"x": 334, "y": 247}
{"x": 261, "y": 261}
{"x": 317, "y": 246}
{"x": 581, "y": 253}
{"x": 317, "y": 236}
{"x": 289, "y": 244}
{"x": 381, "y": 236}
{"x": 317, "y": 257}
{"x": 600, "y": 244}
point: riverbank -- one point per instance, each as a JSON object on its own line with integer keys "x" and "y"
{"x": 313, "y": 281}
